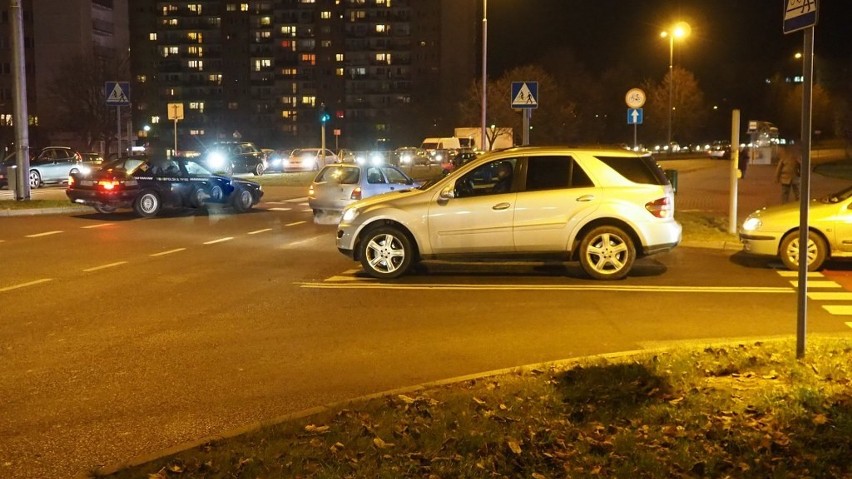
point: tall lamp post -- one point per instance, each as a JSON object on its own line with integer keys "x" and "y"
{"x": 679, "y": 30}
{"x": 484, "y": 71}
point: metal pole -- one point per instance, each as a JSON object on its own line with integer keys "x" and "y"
{"x": 174, "y": 153}
{"x": 22, "y": 140}
{"x": 483, "y": 138}
{"x": 118, "y": 131}
{"x": 671, "y": 87}
{"x": 805, "y": 193}
{"x": 526, "y": 126}
{"x": 735, "y": 158}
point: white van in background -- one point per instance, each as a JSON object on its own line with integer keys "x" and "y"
{"x": 437, "y": 148}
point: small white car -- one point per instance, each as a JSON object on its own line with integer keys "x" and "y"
{"x": 309, "y": 159}
{"x": 601, "y": 207}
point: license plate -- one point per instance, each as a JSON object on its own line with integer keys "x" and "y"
{"x": 86, "y": 183}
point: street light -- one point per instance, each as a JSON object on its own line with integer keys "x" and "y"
{"x": 484, "y": 71}
{"x": 679, "y": 30}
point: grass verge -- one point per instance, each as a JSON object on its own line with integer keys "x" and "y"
{"x": 705, "y": 227}
{"x": 747, "y": 410}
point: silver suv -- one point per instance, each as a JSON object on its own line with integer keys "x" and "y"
{"x": 601, "y": 207}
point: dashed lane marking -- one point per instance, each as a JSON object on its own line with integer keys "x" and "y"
{"x": 105, "y": 266}
{"x": 24, "y": 285}
{"x": 830, "y": 295}
{"x": 795, "y": 274}
{"x": 297, "y": 200}
{"x": 164, "y": 253}
{"x": 46, "y": 233}
{"x": 220, "y": 240}
{"x": 101, "y": 225}
{"x": 259, "y": 231}
{"x": 280, "y": 209}
{"x": 296, "y": 223}
{"x": 372, "y": 284}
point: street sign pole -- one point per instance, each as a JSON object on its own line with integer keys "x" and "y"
{"x": 118, "y": 130}
{"x": 735, "y": 157}
{"x": 526, "y": 135}
{"x": 805, "y": 192}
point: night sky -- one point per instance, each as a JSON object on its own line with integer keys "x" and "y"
{"x": 734, "y": 43}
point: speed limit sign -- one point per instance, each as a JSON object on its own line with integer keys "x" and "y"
{"x": 635, "y": 98}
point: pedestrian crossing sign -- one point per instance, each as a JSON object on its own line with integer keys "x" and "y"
{"x": 524, "y": 94}
{"x": 117, "y": 93}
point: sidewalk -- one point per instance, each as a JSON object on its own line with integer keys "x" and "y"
{"x": 704, "y": 185}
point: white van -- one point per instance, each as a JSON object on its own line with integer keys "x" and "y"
{"x": 437, "y": 148}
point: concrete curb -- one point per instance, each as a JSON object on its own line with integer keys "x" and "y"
{"x": 44, "y": 211}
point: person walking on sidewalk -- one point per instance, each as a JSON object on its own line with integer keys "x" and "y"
{"x": 787, "y": 173}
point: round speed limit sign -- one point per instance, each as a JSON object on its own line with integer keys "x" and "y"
{"x": 635, "y": 98}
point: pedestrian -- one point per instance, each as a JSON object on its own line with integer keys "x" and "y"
{"x": 787, "y": 172}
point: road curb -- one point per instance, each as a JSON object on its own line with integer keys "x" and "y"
{"x": 43, "y": 211}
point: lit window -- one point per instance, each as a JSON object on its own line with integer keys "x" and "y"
{"x": 195, "y": 8}
{"x": 325, "y": 15}
{"x": 265, "y": 21}
{"x": 309, "y": 58}
{"x": 338, "y": 72}
{"x": 155, "y": 120}
{"x": 214, "y": 78}
{"x": 197, "y": 105}
{"x": 244, "y": 7}
{"x": 288, "y": 30}
{"x": 141, "y": 78}
{"x": 309, "y": 100}
{"x": 196, "y": 65}
{"x": 381, "y": 28}
{"x": 152, "y": 36}
{"x": 339, "y": 57}
{"x": 262, "y": 64}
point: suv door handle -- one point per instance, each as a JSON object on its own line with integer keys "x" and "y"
{"x": 586, "y": 198}
{"x": 501, "y": 206}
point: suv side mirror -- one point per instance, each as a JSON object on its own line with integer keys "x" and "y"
{"x": 447, "y": 193}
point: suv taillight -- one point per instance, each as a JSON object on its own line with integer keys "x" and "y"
{"x": 661, "y": 208}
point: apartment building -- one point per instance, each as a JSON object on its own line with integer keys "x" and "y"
{"x": 386, "y": 71}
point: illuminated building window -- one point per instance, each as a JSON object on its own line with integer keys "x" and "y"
{"x": 265, "y": 21}
{"x": 381, "y": 28}
{"x": 215, "y": 78}
{"x": 339, "y": 72}
{"x": 152, "y": 37}
{"x": 197, "y": 37}
{"x": 233, "y": 105}
{"x": 339, "y": 57}
{"x": 262, "y": 64}
{"x": 309, "y": 58}
{"x": 244, "y": 7}
{"x": 289, "y": 72}
{"x": 197, "y": 105}
{"x": 195, "y": 8}
{"x": 288, "y": 30}
{"x": 231, "y": 7}
{"x": 309, "y": 100}
{"x": 166, "y": 51}
{"x": 196, "y": 65}
{"x": 325, "y": 15}
{"x": 141, "y": 78}
{"x": 155, "y": 120}
{"x": 383, "y": 57}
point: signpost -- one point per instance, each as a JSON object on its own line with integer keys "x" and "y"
{"x": 525, "y": 97}
{"x": 117, "y": 95}
{"x": 635, "y": 98}
{"x": 175, "y": 113}
{"x": 802, "y": 15}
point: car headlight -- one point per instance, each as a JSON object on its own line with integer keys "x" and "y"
{"x": 85, "y": 169}
{"x": 752, "y": 224}
{"x": 216, "y": 160}
{"x": 349, "y": 214}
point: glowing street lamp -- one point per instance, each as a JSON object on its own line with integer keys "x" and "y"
{"x": 679, "y": 30}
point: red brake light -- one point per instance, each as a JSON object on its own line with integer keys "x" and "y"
{"x": 661, "y": 208}
{"x": 356, "y": 194}
{"x": 108, "y": 185}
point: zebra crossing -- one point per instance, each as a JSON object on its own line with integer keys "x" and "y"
{"x": 830, "y": 294}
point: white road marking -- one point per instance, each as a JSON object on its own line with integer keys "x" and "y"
{"x": 540, "y": 287}
{"x": 97, "y": 226}
{"x": 280, "y": 209}
{"x": 795, "y": 274}
{"x": 46, "y": 233}
{"x": 830, "y": 296}
{"x": 295, "y": 223}
{"x": 220, "y": 240}
{"x": 24, "y": 285}
{"x": 163, "y": 253}
{"x": 105, "y": 266}
{"x": 298, "y": 200}
{"x": 259, "y": 231}
{"x": 838, "y": 309}
{"x": 849, "y": 324}
{"x": 274, "y": 202}
{"x": 817, "y": 284}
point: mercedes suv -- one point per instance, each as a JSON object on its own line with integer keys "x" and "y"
{"x": 601, "y": 207}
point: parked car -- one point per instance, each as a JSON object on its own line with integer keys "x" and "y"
{"x": 307, "y": 159}
{"x": 148, "y": 184}
{"x": 345, "y": 155}
{"x": 774, "y": 231}
{"x": 601, "y": 207}
{"x": 449, "y": 164}
{"x": 338, "y": 185}
{"x": 229, "y": 157}
{"x": 10, "y": 160}
{"x": 53, "y": 164}
{"x": 410, "y": 156}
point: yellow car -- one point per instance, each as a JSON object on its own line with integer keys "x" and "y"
{"x": 774, "y": 231}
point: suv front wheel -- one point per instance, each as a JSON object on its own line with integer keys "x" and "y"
{"x": 607, "y": 252}
{"x": 386, "y": 252}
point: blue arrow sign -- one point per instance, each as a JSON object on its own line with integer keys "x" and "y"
{"x": 634, "y": 116}
{"x": 117, "y": 93}
{"x": 524, "y": 94}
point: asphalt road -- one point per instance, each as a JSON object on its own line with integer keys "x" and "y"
{"x": 120, "y": 337}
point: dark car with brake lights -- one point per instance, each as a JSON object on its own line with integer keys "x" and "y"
{"x": 148, "y": 184}
{"x": 229, "y": 157}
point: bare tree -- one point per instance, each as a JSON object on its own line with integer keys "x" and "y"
{"x": 77, "y": 101}
{"x": 688, "y": 109}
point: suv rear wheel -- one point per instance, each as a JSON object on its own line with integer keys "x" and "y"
{"x": 607, "y": 252}
{"x": 386, "y": 252}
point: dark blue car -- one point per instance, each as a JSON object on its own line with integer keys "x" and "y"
{"x": 148, "y": 184}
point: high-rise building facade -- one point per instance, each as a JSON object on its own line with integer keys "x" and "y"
{"x": 56, "y": 32}
{"x": 384, "y": 70}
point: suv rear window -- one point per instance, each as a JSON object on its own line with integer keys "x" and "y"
{"x": 643, "y": 170}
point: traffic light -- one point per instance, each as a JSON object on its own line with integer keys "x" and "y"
{"x": 324, "y": 117}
